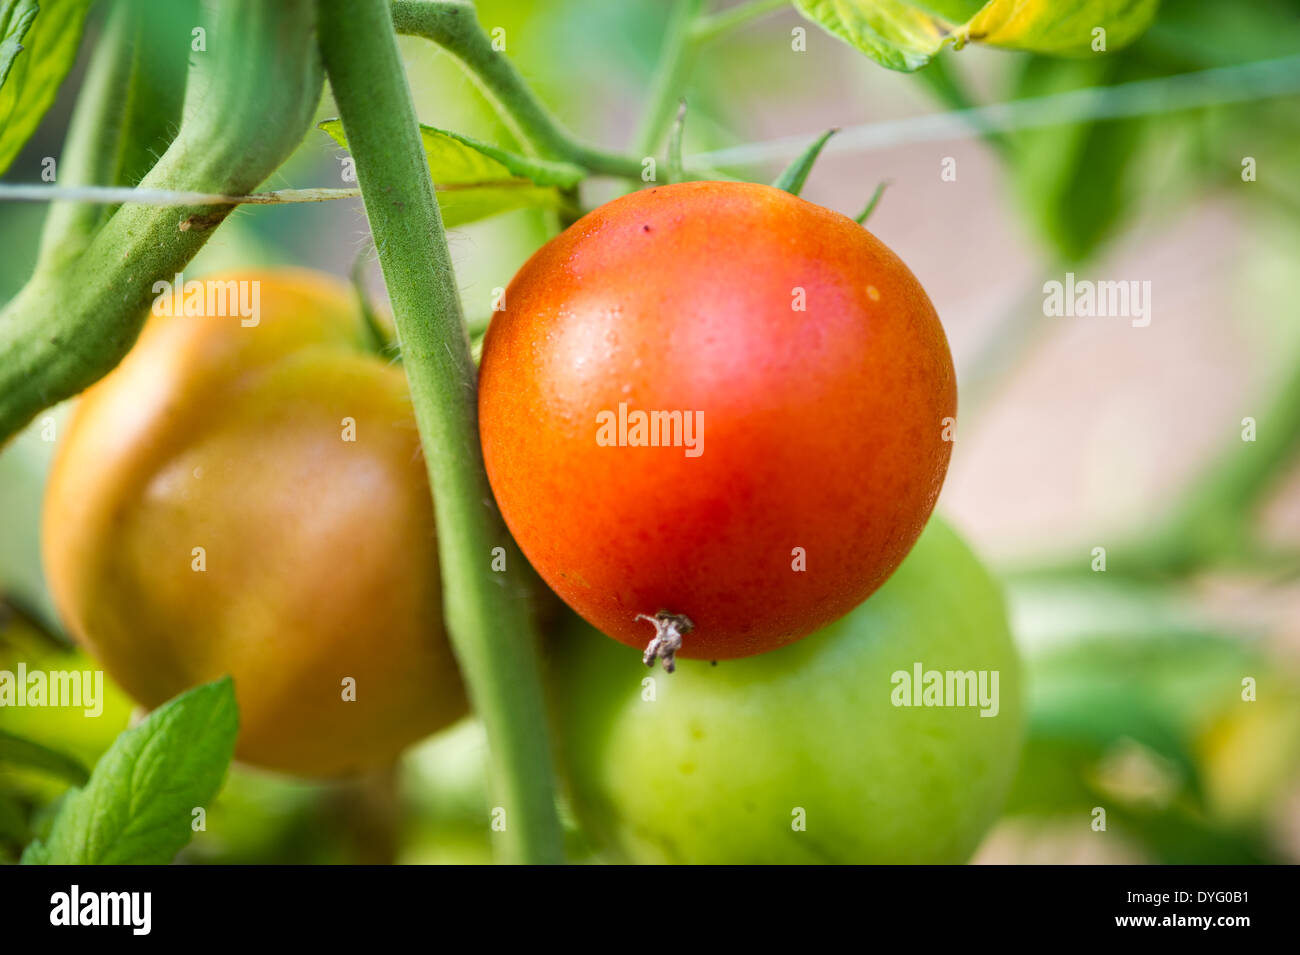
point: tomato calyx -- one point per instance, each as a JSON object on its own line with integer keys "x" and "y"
{"x": 670, "y": 628}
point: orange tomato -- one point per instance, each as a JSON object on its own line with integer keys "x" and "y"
{"x": 720, "y": 401}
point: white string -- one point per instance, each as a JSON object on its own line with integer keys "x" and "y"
{"x": 112, "y": 195}
{"x": 1262, "y": 79}
{"x": 1219, "y": 86}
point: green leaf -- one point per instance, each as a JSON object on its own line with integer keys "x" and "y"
{"x": 137, "y": 806}
{"x": 1113, "y": 665}
{"x": 1075, "y": 180}
{"x": 796, "y": 174}
{"x": 463, "y": 163}
{"x": 1180, "y": 837}
{"x": 1056, "y": 28}
{"x": 15, "y": 20}
{"x": 896, "y": 34}
{"x": 23, "y": 752}
{"x": 37, "y": 853}
{"x": 379, "y": 336}
{"x": 13, "y": 820}
{"x": 38, "y": 44}
{"x": 475, "y": 180}
{"x": 874, "y": 201}
{"x": 1207, "y": 33}
{"x": 906, "y": 34}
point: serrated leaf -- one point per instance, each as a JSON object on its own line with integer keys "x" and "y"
{"x": 15, "y": 20}
{"x": 17, "y": 751}
{"x": 137, "y": 807}
{"x": 475, "y": 180}
{"x": 896, "y": 34}
{"x": 38, "y": 44}
{"x": 906, "y": 34}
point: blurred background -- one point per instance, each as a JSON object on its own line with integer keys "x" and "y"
{"x": 1075, "y": 433}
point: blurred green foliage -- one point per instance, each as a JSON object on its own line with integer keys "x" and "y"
{"x": 1079, "y": 183}
{"x": 1187, "y": 737}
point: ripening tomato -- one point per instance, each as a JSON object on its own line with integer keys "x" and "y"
{"x": 829, "y": 750}
{"x": 248, "y": 496}
{"x": 717, "y": 401}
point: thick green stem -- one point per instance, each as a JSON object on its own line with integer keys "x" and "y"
{"x": 249, "y": 101}
{"x": 125, "y": 117}
{"x": 90, "y": 154}
{"x": 488, "y": 617}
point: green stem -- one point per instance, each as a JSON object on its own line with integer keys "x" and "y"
{"x": 124, "y": 118}
{"x": 675, "y": 60}
{"x": 90, "y": 152}
{"x": 454, "y": 26}
{"x": 249, "y": 101}
{"x": 488, "y": 620}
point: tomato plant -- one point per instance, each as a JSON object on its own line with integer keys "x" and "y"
{"x": 712, "y": 417}
{"x": 805, "y": 754}
{"x": 721, "y": 401}
{"x": 245, "y": 496}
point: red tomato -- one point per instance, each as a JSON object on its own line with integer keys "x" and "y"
{"x": 801, "y": 380}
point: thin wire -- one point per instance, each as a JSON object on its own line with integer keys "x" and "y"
{"x": 1219, "y": 86}
{"x": 112, "y": 195}
{"x": 1262, "y": 79}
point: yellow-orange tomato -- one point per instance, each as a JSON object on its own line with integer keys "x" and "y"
{"x": 720, "y": 401}
{"x": 250, "y": 498}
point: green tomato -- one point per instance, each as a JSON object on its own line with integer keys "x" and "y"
{"x": 816, "y": 752}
